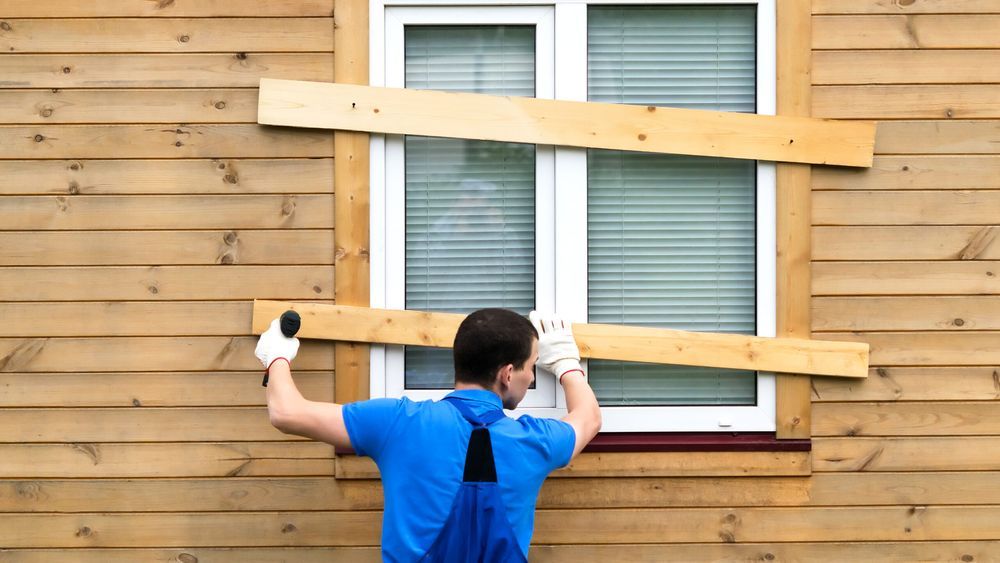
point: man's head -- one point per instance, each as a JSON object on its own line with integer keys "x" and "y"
{"x": 496, "y": 349}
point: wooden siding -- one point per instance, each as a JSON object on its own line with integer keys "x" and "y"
{"x": 143, "y": 209}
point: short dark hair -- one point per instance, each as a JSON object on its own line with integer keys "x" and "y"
{"x": 489, "y": 339}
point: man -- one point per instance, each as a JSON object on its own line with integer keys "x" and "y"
{"x": 453, "y": 491}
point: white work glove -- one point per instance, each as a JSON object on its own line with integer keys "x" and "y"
{"x": 273, "y": 345}
{"x": 557, "y": 351}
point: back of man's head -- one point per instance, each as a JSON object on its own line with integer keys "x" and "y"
{"x": 488, "y": 340}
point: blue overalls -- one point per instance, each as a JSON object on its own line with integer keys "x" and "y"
{"x": 477, "y": 529}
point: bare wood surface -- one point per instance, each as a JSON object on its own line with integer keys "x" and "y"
{"x": 160, "y": 353}
{"x": 211, "y": 70}
{"x": 949, "y": 172}
{"x": 81, "y": 212}
{"x": 909, "y": 66}
{"x": 164, "y": 283}
{"x": 128, "y": 106}
{"x": 965, "y": 453}
{"x": 926, "y": 101}
{"x": 151, "y": 460}
{"x": 152, "y": 389}
{"x": 971, "y": 383}
{"x": 949, "y": 207}
{"x": 952, "y": 312}
{"x": 904, "y": 7}
{"x": 168, "y": 8}
{"x": 929, "y": 31}
{"x": 906, "y": 419}
{"x": 361, "y": 324}
{"x": 905, "y": 243}
{"x": 926, "y": 348}
{"x": 154, "y": 248}
{"x": 161, "y": 141}
{"x": 117, "y": 318}
{"x": 163, "y": 35}
{"x": 552, "y": 122}
{"x": 201, "y": 176}
{"x": 972, "y": 277}
{"x": 937, "y": 137}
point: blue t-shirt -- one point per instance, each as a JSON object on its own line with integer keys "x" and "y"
{"x": 420, "y": 448}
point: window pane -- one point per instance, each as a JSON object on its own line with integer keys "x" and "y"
{"x": 470, "y": 205}
{"x": 671, "y": 239}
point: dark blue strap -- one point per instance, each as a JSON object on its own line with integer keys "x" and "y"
{"x": 485, "y": 419}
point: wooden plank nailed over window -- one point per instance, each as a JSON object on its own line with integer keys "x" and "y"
{"x": 610, "y": 342}
{"x": 556, "y": 122}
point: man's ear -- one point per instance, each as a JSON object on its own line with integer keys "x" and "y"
{"x": 504, "y": 375}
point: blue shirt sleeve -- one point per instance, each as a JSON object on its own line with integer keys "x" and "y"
{"x": 557, "y": 438}
{"x": 368, "y": 424}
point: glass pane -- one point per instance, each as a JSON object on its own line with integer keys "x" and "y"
{"x": 470, "y": 205}
{"x": 671, "y": 239}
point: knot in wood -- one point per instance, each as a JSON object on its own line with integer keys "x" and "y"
{"x": 231, "y": 179}
{"x": 178, "y": 144}
{"x": 317, "y": 289}
{"x": 227, "y": 259}
{"x": 220, "y": 105}
{"x": 186, "y": 558}
{"x": 906, "y": 168}
{"x": 39, "y": 138}
{"x": 241, "y": 56}
{"x": 74, "y": 166}
{"x": 184, "y": 38}
{"x": 769, "y": 556}
{"x": 5, "y": 26}
{"x": 84, "y": 532}
{"x": 67, "y": 70}
{"x": 959, "y": 322}
{"x": 288, "y": 528}
{"x": 968, "y": 558}
{"x": 136, "y": 403}
{"x": 642, "y": 136}
{"x": 230, "y": 238}
{"x": 46, "y": 112}
{"x": 28, "y": 490}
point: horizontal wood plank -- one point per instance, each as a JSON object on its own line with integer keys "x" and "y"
{"x": 913, "y": 66}
{"x": 195, "y": 353}
{"x": 957, "y": 172}
{"x": 965, "y": 453}
{"x": 152, "y": 460}
{"x": 926, "y": 348}
{"x": 905, "y": 419}
{"x": 151, "y": 248}
{"x": 929, "y": 101}
{"x": 165, "y": 283}
{"x": 557, "y": 122}
{"x": 930, "y": 31}
{"x": 904, "y": 7}
{"x": 938, "y": 137}
{"x": 957, "y": 313}
{"x": 162, "y": 141}
{"x": 85, "y": 213}
{"x": 905, "y": 243}
{"x": 145, "y": 389}
{"x": 914, "y": 384}
{"x": 208, "y": 176}
{"x": 215, "y": 70}
{"x": 950, "y": 207}
{"x": 644, "y": 464}
{"x": 53, "y": 106}
{"x": 363, "y": 324}
{"x": 973, "y": 277}
{"x": 163, "y": 35}
{"x": 173, "y": 8}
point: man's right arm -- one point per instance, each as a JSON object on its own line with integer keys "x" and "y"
{"x": 584, "y": 414}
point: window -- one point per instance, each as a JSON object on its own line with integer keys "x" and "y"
{"x": 595, "y": 235}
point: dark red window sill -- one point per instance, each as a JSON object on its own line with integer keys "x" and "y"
{"x": 695, "y": 442}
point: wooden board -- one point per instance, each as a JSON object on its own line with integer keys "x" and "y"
{"x": 973, "y": 277}
{"x": 906, "y": 419}
{"x": 645, "y": 464}
{"x": 152, "y": 389}
{"x": 168, "y": 8}
{"x": 111, "y": 248}
{"x": 926, "y": 101}
{"x": 905, "y": 243}
{"x": 611, "y": 342}
{"x": 911, "y": 66}
{"x": 954, "y": 312}
{"x": 953, "y": 172}
{"x": 965, "y": 453}
{"x": 203, "y": 176}
{"x": 926, "y": 348}
{"x": 163, "y": 35}
{"x": 208, "y": 70}
{"x": 161, "y": 141}
{"x": 950, "y": 207}
{"x": 937, "y": 137}
{"x": 128, "y": 106}
{"x": 164, "y": 283}
{"x": 551, "y": 122}
{"x": 174, "y": 353}
{"x": 903, "y": 6}
{"x": 973, "y": 383}
{"x": 152, "y": 460}
{"x": 931, "y": 31}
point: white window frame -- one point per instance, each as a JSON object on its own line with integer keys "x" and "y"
{"x": 561, "y": 180}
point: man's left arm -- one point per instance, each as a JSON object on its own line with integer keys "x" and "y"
{"x": 292, "y": 413}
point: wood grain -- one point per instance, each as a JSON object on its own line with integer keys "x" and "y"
{"x": 928, "y": 101}
{"x": 938, "y": 137}
{"x": 930, "y": 31}
{"x": 905, "y": 419}
{"x": 128, "y": 106}
{"x": 914, "y": 384}
{"x": 903, "y": 243}
{"x": 926, "y": 348}
{"x": 971, "y": 277}
{"x": 903, "y": 7}
{"x": 174, "y": 8}
{"x": 950, "y": 207}
{"x": 910, "y": 66}
{"x": 964, "y": 453}
{"x": 948, "y": 172}
{"x": 953, "y": 312}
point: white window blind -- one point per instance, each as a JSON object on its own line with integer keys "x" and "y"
{"x": 470, "y": 205}
{"x": 671, "y": 239}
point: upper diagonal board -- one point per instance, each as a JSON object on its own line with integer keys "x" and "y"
{"x": 555, "y": 122}
{"x": 607, "y": 342}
